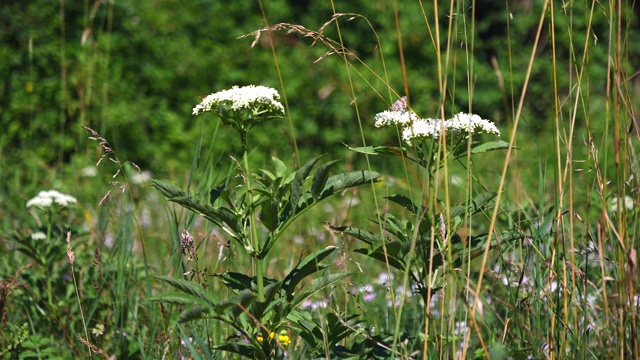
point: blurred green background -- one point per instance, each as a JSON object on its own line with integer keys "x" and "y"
{"x": 133, "y": 71}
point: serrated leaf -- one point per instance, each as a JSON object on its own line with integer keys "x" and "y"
{"x": 405, "y": 202}
{"x": 378, "y": 253}
{"x": 236, "y": 281}
{"x": 190, "y": 288}
{"x": 396, "y": 227}
{"x": 193, "y": 313}
{"x": 217, "y": 216}
{"x": 338, "y": 183}
{"x": 309, "y": 265}
{"x": 179, "y": 299}
{"x": 298, "y": 181}
{"x": 320, "y": 179}
{"x": 306, "y": 326}
{"x": 269, "y": 214}
{"x": 240, "y": 303}
{"x": 359, "y": 234}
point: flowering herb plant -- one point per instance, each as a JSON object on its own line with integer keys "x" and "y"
{"x": 426, "y": 245}
{"x": 253, "y": 215}
{"x": 46, "y": 244}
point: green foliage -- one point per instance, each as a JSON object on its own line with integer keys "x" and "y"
{"x": 280, "y": 198}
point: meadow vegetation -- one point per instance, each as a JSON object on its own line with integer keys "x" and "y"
{"x": 319, "y": 179}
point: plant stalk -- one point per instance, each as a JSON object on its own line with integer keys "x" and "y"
{"x": 255, "y": 242}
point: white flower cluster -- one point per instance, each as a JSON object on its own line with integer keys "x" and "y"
{"x": 626, "y": 203}
{"x": 414, "y": 127}
{"x": 38, "y": 236}
{"x": 240, "y": 98}
{"x": 470, "y": 124}
{"x": 390, "y": 117}
{"x": 422, "y": 128}
{"x": 47, "y": 198}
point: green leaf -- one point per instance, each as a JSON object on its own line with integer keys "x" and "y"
{"x": 240, "y": 303}
{"x": 393, "y": 256}
{"x": 337, "y": 329}
{"x": 180, "y": 299}
{"x": 236, "y": 281}
{"x": 217, "y": 216}
{"x": 190, "y": 288}
{"x": 258, "y": 308}
{"x": 298, "y": 181}
{"x": 269, "y": 215}
{"x": 214, "y": 194}
{"x": 281, "y": 168}
{"x": 489, "y": 146}
{"x": 380, "y": 150}
{"x": 269, "y": 174}
{"x": 320, "y": 179}
{"x": 359, "y": 234}
{"x": 338, "y": 183}
{"x": 477, "y": 204}
{"x": 405, "y": 202}
{"x": 306, "y": 327}
{"x": 309, "y": 265}
{"x": 246, "y": 350}
{"x": 400, "y": 230}
{"x": 193, "y": 313}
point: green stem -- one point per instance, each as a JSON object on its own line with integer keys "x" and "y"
{"x": 47, "y": 257}
{"x": 257, "y": 262}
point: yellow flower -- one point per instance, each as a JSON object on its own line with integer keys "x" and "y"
{"x": 271, "y": 335}
{"x": 283, "y": 337}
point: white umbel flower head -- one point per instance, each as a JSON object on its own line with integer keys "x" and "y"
{"x": 423, "y": 129}
{"x": 38, "y": 236}
{"x": 48, "y": 198}
{"x": 470, "y": 124}
{"x": 254, "y": 98}
{"x": 400, "y": 118}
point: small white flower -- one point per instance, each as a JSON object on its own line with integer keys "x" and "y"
{"x": 98, "y": 330}
{"x": 38, "y": 236}
{"x": 388, "y": 118}
{"x": 250, "y": 97}
{"x": 383, "y": 278}
{"x": 48, "y": 198}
